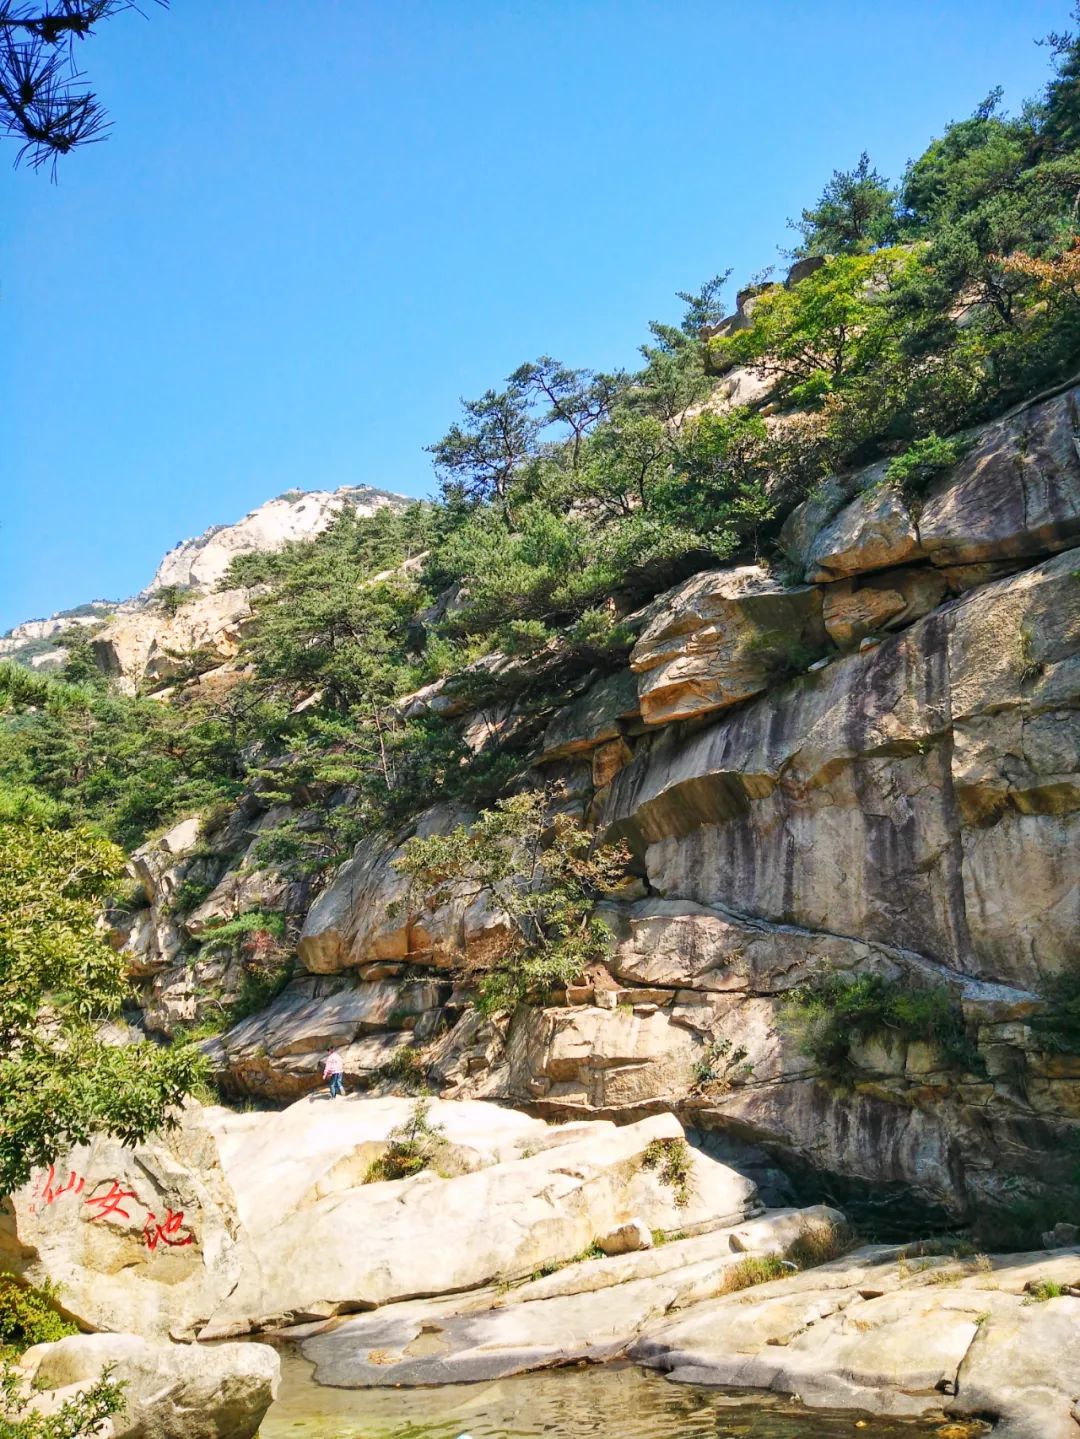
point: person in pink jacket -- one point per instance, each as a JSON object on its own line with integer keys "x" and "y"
{"x": 333, "y": 1070}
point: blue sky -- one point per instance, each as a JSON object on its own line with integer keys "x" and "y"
{"x": 315, "y": 227}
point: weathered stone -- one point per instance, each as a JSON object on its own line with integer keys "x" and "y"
{"x": 421, "y": 1236}
{"x": 902, "y": 770}
{"x": 366, "y": 914}
{"x": 285, "y": 1163}
{"x": 598, "y": 716}
{"x": 140, "y": 1238}
{"x": 1015, "y": 494}
{"x": 856, "y": 1333}
{"x": 721, "y": 637}
{"x": 625, "y": 1238}
{"x": 278, "y": 1052}
{"x": 171, "y": 1391}
{"x": 146, "y": 644}
{"x": 853, "y": 609}
{"x": 202, "y": 563}
{"x": 587, "y": 1311}
{"x": 1023, "y": 1368}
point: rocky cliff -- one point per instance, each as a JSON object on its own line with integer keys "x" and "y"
{"x": 865, "y": 766}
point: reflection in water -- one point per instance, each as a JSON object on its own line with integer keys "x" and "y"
{"x": 609, "y": 1403}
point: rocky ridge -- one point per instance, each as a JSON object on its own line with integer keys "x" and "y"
{"x": 143, "y": 645}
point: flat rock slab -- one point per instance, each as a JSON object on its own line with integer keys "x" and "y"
{"x": 587, "y": 1312}
{"x": 893, "y": 1337}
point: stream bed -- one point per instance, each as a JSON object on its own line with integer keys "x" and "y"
{"x": 613, "y": 1402}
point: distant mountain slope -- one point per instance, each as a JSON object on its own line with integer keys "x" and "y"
{"x": 201, "y": 563}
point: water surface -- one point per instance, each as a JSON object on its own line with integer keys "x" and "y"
{"x": 595, "y": 1403}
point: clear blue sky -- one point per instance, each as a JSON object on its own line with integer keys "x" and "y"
{"x": 316, "y": 226}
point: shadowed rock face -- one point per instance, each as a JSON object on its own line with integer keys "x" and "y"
{"x": 922, "y": 793}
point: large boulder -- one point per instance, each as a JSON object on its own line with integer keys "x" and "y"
{"x": 721, "y": 637}
{"x": 600, "y": 716}
{"x": 171, "y": 1391}
{"x": 367, "y": 913}
{"x": 284, "y": 1163}
{"x": 147, "y": 645}
{"x": 871, "y": 1332}
{"x": 426, "y": 1235}
{"x": 277, "y": 1053}
{"x": 143, "y": 1238}
{"x": 589, "y": 1310}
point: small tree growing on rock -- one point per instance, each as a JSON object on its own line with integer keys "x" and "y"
{"x": 543, "y": 872}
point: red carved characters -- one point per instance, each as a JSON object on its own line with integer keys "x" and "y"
{"x": 110, "y": 1200}
{"x": 47, "y": 1191}
{"x": 172, "y": 1232}
{"x": 109, "y": 1204}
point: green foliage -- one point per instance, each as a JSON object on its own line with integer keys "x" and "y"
{"x": 855, "y": 214}
{"x": 921, "y": 463}
{"x": 721, "y": 1065}
{"x": 252, "y": 922}
{"x": 80, "y": 1417}
{"x": 1057, "y": 1028}
{"x": 540, "y": 869}
{"x": 28, "y": 1316}
{"x": 411, "y": 1146}
{"x": 171, "y": 598}
{"x": 405, "y": 1070}
{"x": 1040, "y": 1290}
{"x": 58, "y": 1083}
{"x": 672, "y": 1160}
{"x": 835, "y": 1009}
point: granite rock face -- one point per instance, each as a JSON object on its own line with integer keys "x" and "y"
{"x": 1015, "y": 495}
{"x": 720, "y": 638}
{"x": 922, "y": 793}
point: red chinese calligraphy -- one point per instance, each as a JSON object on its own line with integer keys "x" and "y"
{"x": 47, "y": 1191}
{"x": 168, "y": 1232}
{"x": 110, "y": 1203}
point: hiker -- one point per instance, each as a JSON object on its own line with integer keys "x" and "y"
{"x": 333, "y": 1070}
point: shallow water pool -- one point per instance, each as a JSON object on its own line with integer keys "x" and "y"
{"x": 615, "y": 1402}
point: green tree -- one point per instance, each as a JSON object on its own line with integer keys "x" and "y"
{"x": 43, "y": 101}
{"x": 478, "y": 460}
{"x": 855, "y": 214}
{"x": 59, "y": 1085}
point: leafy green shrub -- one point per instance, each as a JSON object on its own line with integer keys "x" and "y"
{"x": 1058, "y": 1028}
{"x": 253, "y": 921}
{"x": 921, "y": 463}
{"x": 28, "y": 1316}
{"x": 411, "y": 1146}
{"x": 720, "y": 1065}
{"x": 406, "y": 1070}
{"x": 834, "y": 1009}
{"x": 189, "y": 894}
{"x": 81, "y": 1417}
{"x": 672, "y": 1160}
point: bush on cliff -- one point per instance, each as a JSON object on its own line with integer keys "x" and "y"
{"x": 59, "y": 1085}
{"x": 539, "y": 869}
{"x": 832, "y": 1011}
